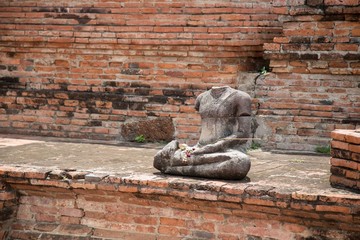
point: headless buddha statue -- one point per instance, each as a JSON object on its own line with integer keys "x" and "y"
{"x": 225, "y": 128}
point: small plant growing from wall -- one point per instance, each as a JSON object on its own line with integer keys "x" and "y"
{"x": 263, "y": 71}
{"x": 323, "y": 149}
{"x": 140, "y": 139}
{"x": 254, "y": 146}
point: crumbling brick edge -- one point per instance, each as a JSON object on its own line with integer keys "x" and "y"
{"x": 345, "y": 161}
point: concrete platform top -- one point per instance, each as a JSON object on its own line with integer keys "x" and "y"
{"x": 305, "y": 173}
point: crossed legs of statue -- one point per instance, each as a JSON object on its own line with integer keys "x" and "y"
{"x": 230, "y": 164}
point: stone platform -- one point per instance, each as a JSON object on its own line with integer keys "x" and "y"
{"x": 294, "y": 172}
{"x": 68, "y": 190}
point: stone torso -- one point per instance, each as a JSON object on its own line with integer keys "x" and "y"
{"x": 219, "y": 109}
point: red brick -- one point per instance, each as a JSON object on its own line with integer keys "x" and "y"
{"x": 331, "y": 208}
{"x": 302, "y": 206}
{"x": 256, "y": 201}
{"x": 354, "y": 148}
{"x": 270, "y": 210}
{"x": 173, "y": 231}
{"x": 69, "y": 220}
{"x": 146, "y": 190}
{"x": 71, "y": 212}
{"x": 346, "y": 47}
{"x": 278, "y": 63}
{"x": 301, "y": 214}
{"x": 338, "y": 135}
{"x": 45, "y": 218}
{"x": 355, "y": 32}
{"x": 304, "y": 196}
{"x": 355, "y": 157}
{"x": 145, "y": 220}
{"x": 105, "y": 233}
{"x": 340, "y": 145}
{"x": 344, "y": 182}
{"x": 107, "y": 187}
{"x": 54, "y": 183}
{"x": 79, "y": 230}
{"x": 5, "y": 196}
{"x": 127, "y": 188}
{"x": 230, "y": 198}
{"x": 271, "y": 47}
{"x": 341, "y": 2}
{"x": 204, "y": 195}
{"x": 353, "y": 175}
{"x": 46, "y": 227}
{"x": 82, "y": 185}
{"x": 37, "y": 173}
{"x": 344, "y": 163}
{"x": 19, "y": 172}
{"x": 213, "y": 216}
{"x": 24, "y": 235}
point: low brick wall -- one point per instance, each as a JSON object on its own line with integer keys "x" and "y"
{"x": 345, "y": 161}
{"x": 56, "y": 204}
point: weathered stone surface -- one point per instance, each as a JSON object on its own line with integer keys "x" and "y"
{"x": 154, "y": 130}
{"x": 58, "y": 174}
{"x": 77, "y": 174}
{"x": 95, "y": 177}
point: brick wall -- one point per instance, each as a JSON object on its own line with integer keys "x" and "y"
{"x": 315, "y": 85}
{"x": 55, "y": 204}
{"x": 82, "y": 69}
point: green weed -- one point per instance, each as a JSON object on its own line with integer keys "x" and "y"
{"x": 255, "y": 145}
{"x": 140, "y": 139}
{"x": 323, "y": 149}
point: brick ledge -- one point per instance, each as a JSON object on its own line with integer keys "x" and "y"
{"x": 201, "y": 189}
{"x": 337, "y": 209}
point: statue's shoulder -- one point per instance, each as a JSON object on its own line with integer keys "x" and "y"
{"x": 241, "y": 94}
{"x": 202, "y": 95}
{"x": 198, "y": 100}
